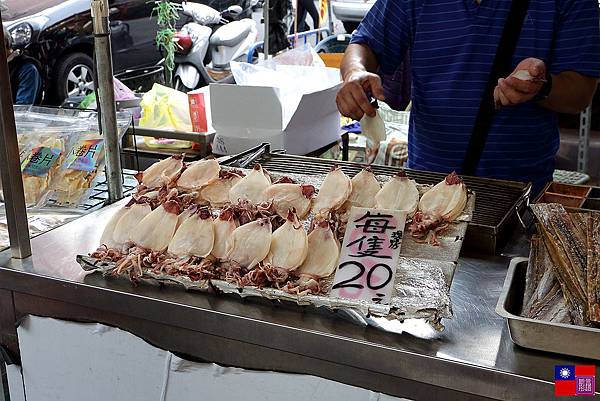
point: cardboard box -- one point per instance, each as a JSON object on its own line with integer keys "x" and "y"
{"x": 246, "y": 116}
{"x": 199, "y": 101}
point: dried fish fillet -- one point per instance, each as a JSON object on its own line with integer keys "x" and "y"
{"x": 161, "y": 173}
{"x": 251, "y": 187}
{"x": 224, "y": 226}
{"x": 364, "y": 189}
{"x": 540, "y": 281}
{"x": 593, "y": 267}
{"x": 195, "y": 236}
{"x": 286, "y": 197}
{"x": 217, "y": 193}
{"x": 399, "y": 193}
{"x": 199, "y": 174}
{"x": 323, "y": 253}
{"x": 568, "y": 251}
{"x": 289, "y": 244}
{"x": 249, "y": 244}
{"x": 334, "y": 191}
{"x": 156, "y": 230}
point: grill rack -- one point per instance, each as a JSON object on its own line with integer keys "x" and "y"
{"x": 497, "y": 207}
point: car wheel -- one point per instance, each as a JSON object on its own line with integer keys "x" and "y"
{"x": 350, "y": 26}
{"x": 74, "y": 76}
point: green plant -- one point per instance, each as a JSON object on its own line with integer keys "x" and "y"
{"x": 166, "y": 18}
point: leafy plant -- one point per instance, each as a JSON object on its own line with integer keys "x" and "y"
{"x": 166, "y": 16}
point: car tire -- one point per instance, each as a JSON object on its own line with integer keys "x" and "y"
{"x": 350, "y": 26}
{"x": 73, "y": 77}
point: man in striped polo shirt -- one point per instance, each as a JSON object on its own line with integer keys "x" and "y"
{"x": 452, "y": 44}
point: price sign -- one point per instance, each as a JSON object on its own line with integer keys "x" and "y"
{"x": 369, "y": 255}
{"x": 40, "y": 161}
{"x": 85, "y": 155}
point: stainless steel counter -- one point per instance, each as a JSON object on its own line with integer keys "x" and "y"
{"x": 473, "y": 359}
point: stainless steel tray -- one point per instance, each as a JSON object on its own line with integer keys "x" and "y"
{"x": 536, "y": 334}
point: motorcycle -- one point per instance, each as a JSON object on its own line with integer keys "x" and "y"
{"x": 206, "y": 46}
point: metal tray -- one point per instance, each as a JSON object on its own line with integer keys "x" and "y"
{"x": 536, "y": 334}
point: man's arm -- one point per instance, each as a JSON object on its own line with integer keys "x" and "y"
{"x": 29, "y": 84}
{"x": 358, "y": 67}
{"x": 571, "y": 92}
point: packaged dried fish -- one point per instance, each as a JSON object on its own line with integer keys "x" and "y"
{"x": 79, "y": 170}
{"x": 41, "y": 166}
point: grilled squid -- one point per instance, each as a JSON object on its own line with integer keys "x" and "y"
{"x": 289, "y": 244}
{"x": 107, "y": 235}
{"x": 323, "y": 254}
{"x": 399, "y": 193}
{"x": 156, "y": 230}
{"x": 199, "y": 174}
{"x": 286, "y": 197}
{"x": 195, "y": 236}
{"x": 249, "y": 244}
{"x": 251, "y": 187}
{"x": 438, "y": 207}
{"x": 136, "y": 211}
{"x": 364, "y": 189}
{"x": 334, "y": 191}
{"x": 446, "y": 200}
{"x": 217, "y": 192}
{"x": 224, "y": 226}
{"x": 161, "y": 173}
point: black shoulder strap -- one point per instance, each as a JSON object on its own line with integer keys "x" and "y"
{"x": 502, "y": 67}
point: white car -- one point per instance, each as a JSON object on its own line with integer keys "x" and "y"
{"x": 351, "y": 12}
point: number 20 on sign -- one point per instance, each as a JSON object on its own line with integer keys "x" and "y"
{"x": 369, "y": 256}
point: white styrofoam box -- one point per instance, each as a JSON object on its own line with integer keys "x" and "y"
{"x": 246, "y": 116}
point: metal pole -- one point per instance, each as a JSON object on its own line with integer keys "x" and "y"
{"x": 106, "y": 98}
{"x": 10, "y": 166}
{"x": 330, "y": 17}
{"x": 266, "y": 8}
{"x": 585, "y": 125}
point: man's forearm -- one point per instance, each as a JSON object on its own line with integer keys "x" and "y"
{"x": 571, "y": 92}
{"x": 358, "y": 57}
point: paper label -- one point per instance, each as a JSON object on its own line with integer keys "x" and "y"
{"x": 85, "y": 155}
{"x": 369, "y": 256}
{"x": 40, "y": 161}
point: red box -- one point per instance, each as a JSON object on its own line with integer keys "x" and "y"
{"x": 198, "y": 111}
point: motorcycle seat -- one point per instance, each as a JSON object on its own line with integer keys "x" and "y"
{"x": 232, "y": 33}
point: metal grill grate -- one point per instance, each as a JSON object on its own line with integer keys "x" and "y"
{"x": 496, "y": 205}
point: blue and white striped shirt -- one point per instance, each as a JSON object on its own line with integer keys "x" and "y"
{"x": 452, "y": 45}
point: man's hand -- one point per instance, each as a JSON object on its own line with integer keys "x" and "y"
{"x": 352, "y": 100}
{"x": 512, "y": 90}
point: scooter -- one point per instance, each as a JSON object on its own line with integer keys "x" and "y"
{"x": 206, "y": 46}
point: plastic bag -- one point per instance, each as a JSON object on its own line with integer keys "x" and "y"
{"x": 303, "y": 55}
{"x": 165, "y": 108}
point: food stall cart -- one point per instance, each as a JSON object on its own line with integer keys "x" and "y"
{"x": 473, "y": 358}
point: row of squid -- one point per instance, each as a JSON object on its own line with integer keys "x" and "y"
{"x": 172, "y": 226}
